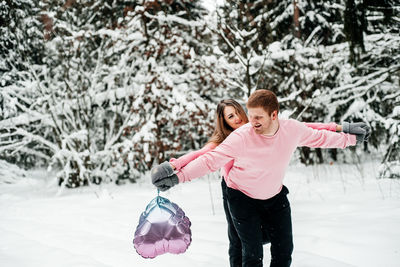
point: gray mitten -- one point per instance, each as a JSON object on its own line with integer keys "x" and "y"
{"x": 166, "y": 183}
{"x": 360, "y": 129}
{"x": 163, "y": 177}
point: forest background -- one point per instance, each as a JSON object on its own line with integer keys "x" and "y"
{"x": 101, "y": 90}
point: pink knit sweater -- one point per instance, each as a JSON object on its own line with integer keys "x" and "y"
{"x": 182, "y": 161}
{"x": 259, "y": 162}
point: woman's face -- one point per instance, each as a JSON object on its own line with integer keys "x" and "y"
{"x": 232, "y": 117}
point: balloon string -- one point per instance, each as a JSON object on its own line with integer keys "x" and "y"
{"x": 158, "y": 197}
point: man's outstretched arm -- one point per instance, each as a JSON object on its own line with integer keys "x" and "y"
{"x": 164, "y": 178}
{"x": 213, "y": 160}
{"x": 359, "y": 129}
{"x": 325, "y": 139}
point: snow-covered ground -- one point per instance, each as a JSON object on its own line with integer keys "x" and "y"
{"x": 342, "y": 216}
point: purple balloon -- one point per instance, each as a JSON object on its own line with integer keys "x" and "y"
{"x": 163, "y": 227}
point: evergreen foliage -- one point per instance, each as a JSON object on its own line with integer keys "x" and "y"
{"x": 316, "y": 76}
{"x": 119, "y": 84}
{"x": 21, "y": 54}
{"x": 102, "y": 90}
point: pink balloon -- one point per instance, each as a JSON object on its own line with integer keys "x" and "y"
{"x": 163, "y": 228}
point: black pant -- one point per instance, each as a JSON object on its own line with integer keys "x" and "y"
{"x": 248, "y": 216}
{"x": 235, "y": 245}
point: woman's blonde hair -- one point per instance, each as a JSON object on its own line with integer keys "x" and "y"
{"x": 222, "y": 129}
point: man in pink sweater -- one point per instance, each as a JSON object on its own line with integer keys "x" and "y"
{"x": 261, "y": 151}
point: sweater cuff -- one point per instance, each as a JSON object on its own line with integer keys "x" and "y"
{"x": 332, "y": 126}
{"x": 176, "y": 163}
{"x": 181, "y": 177}
{"x": 353, "y": 139}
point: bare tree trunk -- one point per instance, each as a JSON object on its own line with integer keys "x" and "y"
{"x": 248, "y": 78}
{"x": 296, "y": 15}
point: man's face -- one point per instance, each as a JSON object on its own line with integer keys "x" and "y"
{"x": 261, "y": 120}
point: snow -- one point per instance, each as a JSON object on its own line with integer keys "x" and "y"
{"x": 211, "y": 5}
{"x": 173, "y": 18}
{"x": 342, "y": 216}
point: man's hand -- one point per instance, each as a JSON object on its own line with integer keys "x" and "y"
{"x": 163, "y": 177}
{"x": 360, "y": 129}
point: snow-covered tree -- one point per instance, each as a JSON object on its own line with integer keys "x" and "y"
{"x": 21, "y": 52}
{"x": 177, "y": 81}
{"x": 245, "y": 30}
{"x": 307, "y": 66}
{"x": 120, "y": 84}
{"x": 104, "y": 95}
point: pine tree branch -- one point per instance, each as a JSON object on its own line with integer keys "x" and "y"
{"x": 239, "y": 57}
{"x": 365, "y": 79}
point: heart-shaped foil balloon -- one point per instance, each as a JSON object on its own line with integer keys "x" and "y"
{"x": 163, "y": 227}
